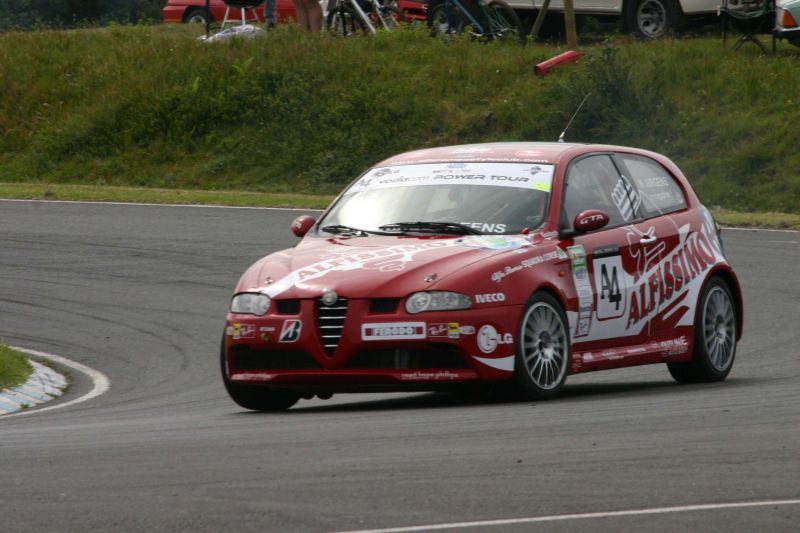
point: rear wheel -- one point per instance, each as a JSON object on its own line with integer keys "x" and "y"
{"x": 198, "y": 16}
{"x": 438, "y": 23}
{"x": 543, "y": 349}
{"x": 255, "y": 397}
{"x": 505, "y": 23}
{"x": 650, "y": 19}
{"x": 714, "y": 337}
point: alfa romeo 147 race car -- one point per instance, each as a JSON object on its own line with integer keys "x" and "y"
{"x": 514, "y": 263}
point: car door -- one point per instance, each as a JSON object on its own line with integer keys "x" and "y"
{"x": 603, "y": 269}
{"x": 666, "y": 297}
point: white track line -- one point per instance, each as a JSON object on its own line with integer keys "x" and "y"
{"x": 100, "y": 381}
{"x": 134, "y": 204}
{"x": 581, "y": 516}
{"x": 726, "y": 228}
{"x": 273, "y": 209}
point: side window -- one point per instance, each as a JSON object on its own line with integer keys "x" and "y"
{"x": 594, "y": 183}
{"x": 658, "y": 190}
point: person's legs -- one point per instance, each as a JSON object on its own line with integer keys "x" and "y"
{"x": 270, "y": 13}
{"x": 314, "y": 15}
{"x": 302, "y": 14}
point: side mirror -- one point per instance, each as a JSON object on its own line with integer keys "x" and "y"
{"x": 589, "y": 220}
{"x": 302, "y": 224}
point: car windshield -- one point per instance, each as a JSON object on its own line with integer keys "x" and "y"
{"x": 453, "y": 198}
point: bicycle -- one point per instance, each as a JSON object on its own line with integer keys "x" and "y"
{"x": 348, "y": 17}
{"x": 488, "y": 20}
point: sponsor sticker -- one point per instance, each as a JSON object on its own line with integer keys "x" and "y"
{"x": 495, "y": 297}
{"x": 518, "y": 175}
{"x": 241, "y": 331}
{"x": 393, "y": 330}
{"x": 489, "y": 338}
{"x": 580, "y": 275}
{"x": 290, "y": 331}
{"x": 493, "y": 242}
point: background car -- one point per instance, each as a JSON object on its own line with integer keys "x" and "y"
{"x": 183, "y": 11}
{"x": 509, "y": 263}
{"x": 787, "y": 17}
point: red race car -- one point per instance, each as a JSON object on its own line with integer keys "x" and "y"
{"x": 518, "y": 263}
{"x": 178, "y": 11}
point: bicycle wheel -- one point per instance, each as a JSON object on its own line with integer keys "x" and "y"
{"x": 391, "y": 17}
{"x": 344, "y": 21}
{"x": 504, "y": 22}
{"x": 437, "y": 19}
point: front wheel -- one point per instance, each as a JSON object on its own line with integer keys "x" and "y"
{"x": 714, "y": 337}
{"x": 255, "y": 397}
{"x": 391, "y": 17}
{"x": 543, "y": 348}
{"x": 650, "y": 19}
{"x": 344, "y": 21}
{"x": 505, "y": 23}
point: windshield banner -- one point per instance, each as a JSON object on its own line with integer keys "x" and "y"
{"x": 536, "y": 176}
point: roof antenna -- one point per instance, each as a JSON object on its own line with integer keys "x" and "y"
{"x": 561, "y": 137}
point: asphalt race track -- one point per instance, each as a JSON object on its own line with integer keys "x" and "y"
{"x": 139, "y": 293}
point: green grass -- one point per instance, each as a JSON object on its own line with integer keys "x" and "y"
{"x": 94, "y": 193}
{"x": 304, "y": 114}
{"x": 14, "y": 368}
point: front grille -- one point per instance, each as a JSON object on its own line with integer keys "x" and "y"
{"x": 331, "y": 323}
{"x": 248, "y": 358}
{"x": 431, "y": 356}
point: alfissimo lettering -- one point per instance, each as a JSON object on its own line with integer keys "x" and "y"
{"x": 671, "y": 276}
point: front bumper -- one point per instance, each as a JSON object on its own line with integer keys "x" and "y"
{"x": 369, "y": 345}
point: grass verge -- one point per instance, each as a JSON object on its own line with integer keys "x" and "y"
{"x": 91, "y": 193}
{"x": 14, "y": 368}
{"x": 43, "y": 191}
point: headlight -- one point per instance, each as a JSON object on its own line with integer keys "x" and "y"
{"x": 437, "y": 301}
{"x": 250, "y": 303}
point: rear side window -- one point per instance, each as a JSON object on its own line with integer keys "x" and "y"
{"x": 658, "y": 190}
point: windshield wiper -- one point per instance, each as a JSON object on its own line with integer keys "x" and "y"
{"x": 451, "y": 228}
{"x": 339, "y": 229}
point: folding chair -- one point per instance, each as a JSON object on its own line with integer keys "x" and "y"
{"x": 749, "y": 17}
{"x": 243, "y": 6}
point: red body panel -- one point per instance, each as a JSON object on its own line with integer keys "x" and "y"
{"x": 658, "y": 265}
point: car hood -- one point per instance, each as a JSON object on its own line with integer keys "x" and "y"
{"x": 373, "y": 267}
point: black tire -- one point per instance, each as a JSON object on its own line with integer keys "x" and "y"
{"x": 505, "y": 22}
{"x": 543, "y": 348}
{"x": 650, "y": 19}
{"x": 198, "y": 16}
{"x": 437, "y": 19}
{"x": 714, "y": 337}
{"x": 255, "y": 397}
{"x": 344, "y": 21}
{"x": 393, "y": 16}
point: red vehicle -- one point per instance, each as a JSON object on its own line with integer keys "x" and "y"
{"x": 518, "y": 263}
{"x": 179, "y": 11}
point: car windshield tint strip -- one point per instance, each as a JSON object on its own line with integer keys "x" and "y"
{"x": 536, "y": 176}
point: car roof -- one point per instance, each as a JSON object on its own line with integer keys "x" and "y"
{"x": 539, "y": 152}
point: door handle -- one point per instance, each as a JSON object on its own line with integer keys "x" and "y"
{"x": 647, "y": 239}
